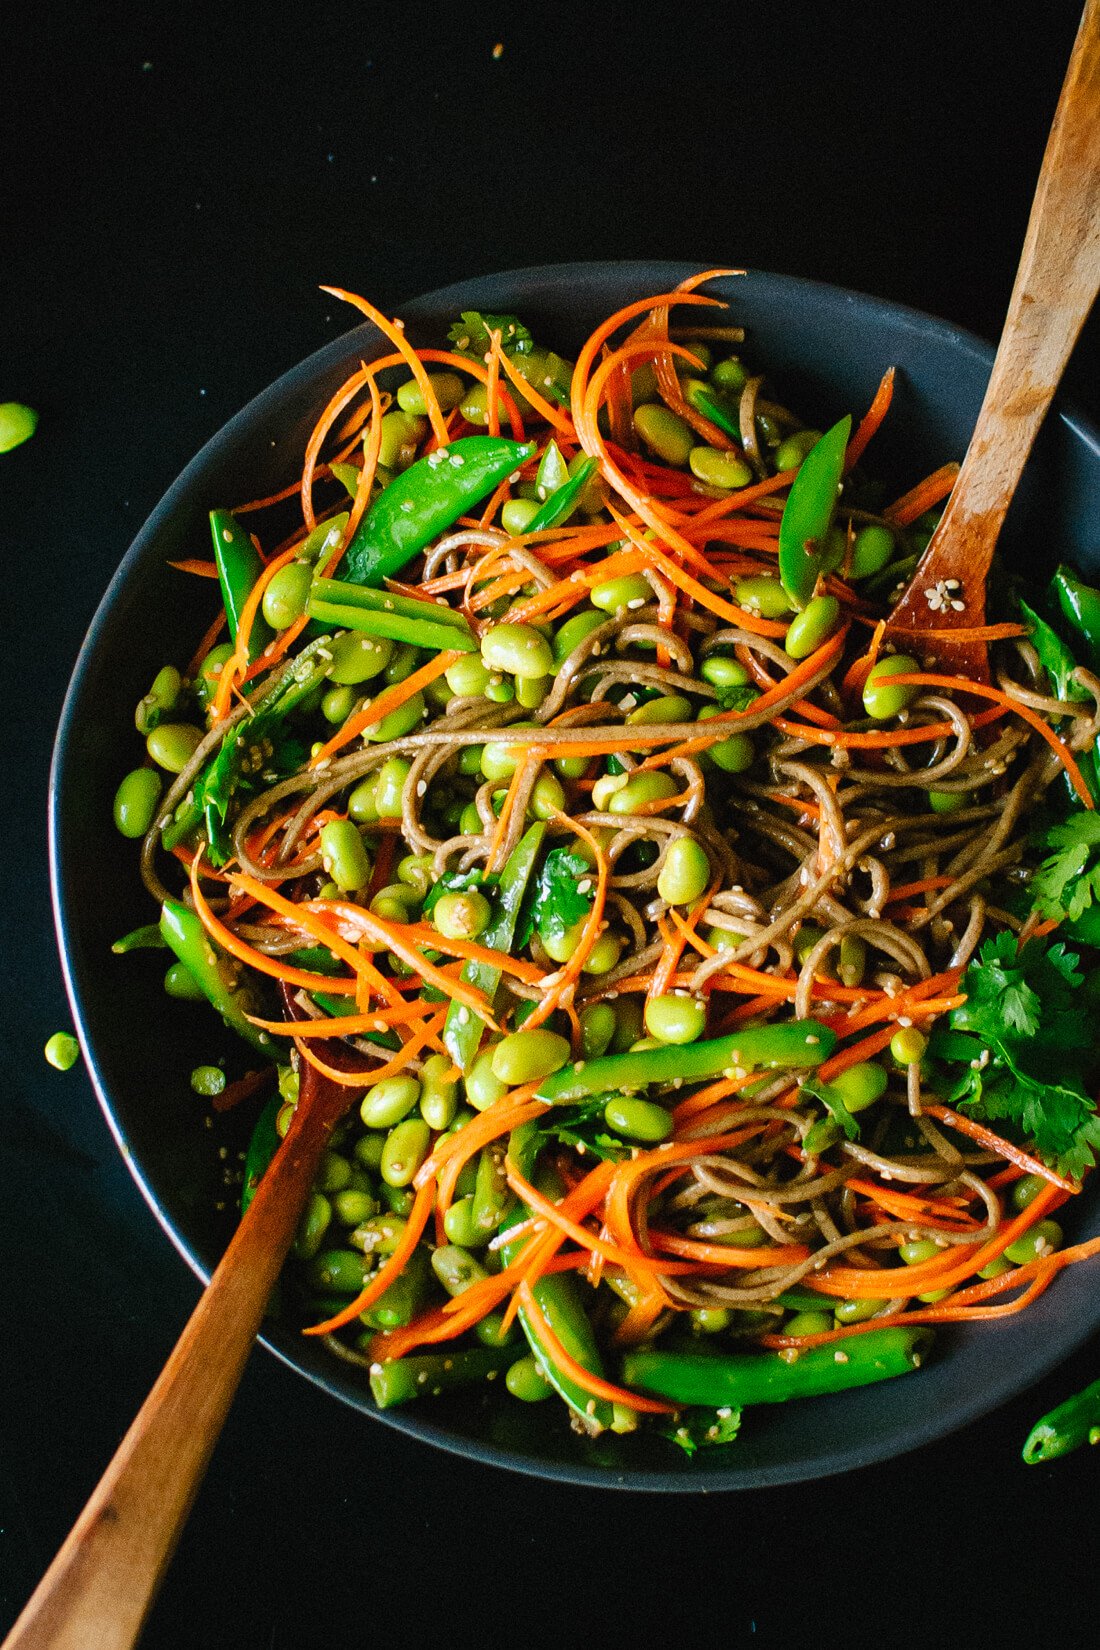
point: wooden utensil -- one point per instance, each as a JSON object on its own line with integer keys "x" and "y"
{"x": 1055, "y": 286}
{"x": 98, "y": 1590}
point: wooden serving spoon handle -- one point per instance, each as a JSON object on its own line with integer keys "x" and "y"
{"x": 1055, "y": 286}
{"x": 99, "y": 1588}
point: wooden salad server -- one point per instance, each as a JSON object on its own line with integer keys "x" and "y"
{"x": 98, "y": 1591}
{"x": 1055, "y": 286}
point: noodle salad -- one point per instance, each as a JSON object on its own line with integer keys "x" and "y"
{"x": 707, "y": 967}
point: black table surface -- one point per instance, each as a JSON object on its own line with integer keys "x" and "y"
{"x": 178, "y": 180}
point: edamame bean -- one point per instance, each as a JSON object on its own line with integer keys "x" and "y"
{"x": 604, "y": 954}
{"x": 605, "y": 787}
{"x": 920, "y": 1249}
{"x": 286, "y": 595}
{"x": 362, "y": 806}
{"x": 722, "y": 672}
{"x": 344, "y": 855}
{"x": 517, "y": 514}
{"x": 62, "y": 1051}
{"x": 337, "y": 1272}
{"x": 500, "y": 760}
{"x": 448, "y": 388}
{"x": 467, "y": 677}
{"x": 206, "y": 682}
{"x": 948, "y": 802}
{"x": 460, "y": 1227}
{"x": 760, "y": 594}
{"x": 615, "y": 596}
{"x": 357, "y": 658}
{"x": 526, "y": 1056}
{"x": 654, "y": 786}
{"x": 456, "y": 1268}
{"x": 881, "y": 698}
{"x": 390, "y": 789}
{"x": 716, "y": 468}
{"x": 407, "y": 1145}
{"x": 517, "y": 649}
{"x": 315, "y": 1221}
{"x": 732, "y": 755}
{"x": 628, "y": 1024}
{"x": 368, "y": 1148}
{"x": 353, "y": 1206}
{"x": 664, "y": 432}
{"x": 685, "y": 873}
{"x": 710, "y": 1320}
{"x": 872, "y": 549}
{"x": 814, "y": 625}
{"x": 532, "y": 690}
{"x": 135, "y": 804}
{"x": 171, "y": 745}
{"x": 675, "y": 1018}
{"x": 438, "y": 1092}
{"x": 179, "y": 982}
{"x": 337, "y": 704}
{"x": 808, "y": 1323}
{"x": 856, "y": 1311}
{"x": 730, "y": 375}
{"x": 525, "y": 1381}
{"x": 379, "y": 1234}
{"x": 402, "y": 434}
{"x": 907, "y": 1046}
{"x": 461, "y": 915}
{"x": 1026, "y": 1190}
{"x": 17, "y": 424}
{"x": 333, "y": 1174}
{"x": 483, "y": 1086}
{"x": 417, "y": 872}
{"x": 395, "y": 902}
{"x": 388, "y": 1102}
{"x": 501, "y": 690}
{"x": 547, "y": 797}
{"x": 641, "y": 1120}
{"x": 469, "y": 821}
{"x": 574, "y": 631}
{"x": 666, "y": 707}
{"x": 1039, "y": 1240}
{"x": 399, "y": 722}
{"x": 790, "y": 453}
{"x": 403, "y": 663}
{"x": 597, "y": 1029}
{"x": 860, "y": 1086}
{"x": 160, "y": 701}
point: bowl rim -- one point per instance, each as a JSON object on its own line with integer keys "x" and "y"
{"x": 911, "y": 1434}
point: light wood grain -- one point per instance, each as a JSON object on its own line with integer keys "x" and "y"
{"x": 1056, "y": 284}
{"x": 98, "y": 1590}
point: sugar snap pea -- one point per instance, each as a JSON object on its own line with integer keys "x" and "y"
{"x": 768, "y": 1377}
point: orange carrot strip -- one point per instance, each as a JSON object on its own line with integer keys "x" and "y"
{"x": 576, "y": 1372}
{"x": 593, "y": 923}
{"x": 923, "y": 496}
{"x": 258, "y": 959}
{"x": 394, "y": 331}
{"x": 389, "y": 700}
{"x": 201, "y": 569}
{"x": 721, "y": 1254}
{"x": 373, "y": 1074}
{"x": 871, "y": 419}
{"x": 416, "y": 1221}
{"x": 1004, "y": 1148}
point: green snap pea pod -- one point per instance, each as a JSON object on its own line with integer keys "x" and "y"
{"x": 492, "y": 1195}
{"x": 769, "y": 1378}
{"x": 559, "y": 1299}
{"x": 808, "y": 512}
{"x": 432, "y": 1373}
{"x": 426, "y": 499}
{"x": 261, "y": 1149}
{"x": 146, "y": 938}
{"x": 239, "y": 566}
{"x": 211, "y": 970}
{"x": 461, "y": 1035}
{"x": 1073, "y": 1423}
{"x": 1059, "y": 663}
{"x": 563, "y": 500}
{"x": 1080, "y": 603}
{"x": 386, "y": 601}
{"x": 794, "y": 1043}
{"x": 394, "y": 627}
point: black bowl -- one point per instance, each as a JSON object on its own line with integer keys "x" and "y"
{"x": 826, "y": 349}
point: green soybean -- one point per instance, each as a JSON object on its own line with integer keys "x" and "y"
{"x": 604, "y": 954}
{"x": 673, "y": 1018}
{"x": 456, "y": 1268}
{"x": 685, "y": 874}
{"x": 664, "y": 432}
{"x": 532, "y": 690}
{"x": 462, "y": 914}
{"x": 814, "y": 625}
{"x": 171, "y": 745}
{"x": 525, "y": 1056}
{"x": 390, "y": 788}
{"x": 547, "y": 797}
{"x": 407, "y": 1145}
{"x": 641, "y": 1120}
{"x": 315, "y": 1221}
{"x": 525, "y": 1381}
{"x": 483, "y": 1086}
{"x": 629, "y": 592}
{"x": 337, "y": 704}
{"x": 719, "y": 469}
{"x": 179, "y": 982}
{"x": 723, "y": 672}
{"x": 732, "y": 755}
{"x": 517, "y": 514}
{"x": 447, "y": 387}
{"x": 467, "y": 677}
{"x": 666, "y": 707}
{"x": 908, "y": 1045}
{"x": 517, "y": 649}
{"x": 460, "y": 1227}
{"x": 1039, "y": 1240}
{"x": 882, "y": 699}
{"x": 438, "y": 1093}
{"x": 136, "y": 799}
{"x": 344, "y": 855}
{"x": 402, "y": 434}
{"x": 575, "y": 630}
{"x": 399, "y": 722}
{"x": 285, "y": 597}
{"x": 790, "y": 453}
{"x": 161, "y": 699}
{"x": 872, "y": 548}
{"x": 386, "y": 1103}
{"x": 655, "y": 786}
{"x": 762, "y": 595}
{"x": 357, "y": 658}
{"x": 361, "y": 803}
{"x": 62, "y": 1051}
{"x": 597, "y": 1022}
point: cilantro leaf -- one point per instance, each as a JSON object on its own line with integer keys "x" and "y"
{"x": 1018, "y": 1050}
{"x": 470, "y": 334}
{"x": 1068, "y": 880}
{"x": 737, "y": 698}
{"x": 561, "y": 897}
{"x": 831, "y": 1099}
{"x": 695, "y": 1429}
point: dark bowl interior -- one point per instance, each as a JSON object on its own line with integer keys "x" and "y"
{"x": 825, "y": 350}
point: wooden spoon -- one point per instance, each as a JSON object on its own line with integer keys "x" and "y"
{"x": 98, "y": 1590}
{"x": 1055, "y": 286}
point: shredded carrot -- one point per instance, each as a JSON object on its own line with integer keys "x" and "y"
{"x": 388, "y": 700}
{"x": 395, "y": 332}
{"x": 415, "y": 1223}
{"x": 905, "y": 510}
{"x": 568, "y": 1365}
{"x": 871, "y": 419}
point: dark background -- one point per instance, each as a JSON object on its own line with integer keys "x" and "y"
{"x": 177, "y": 181}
